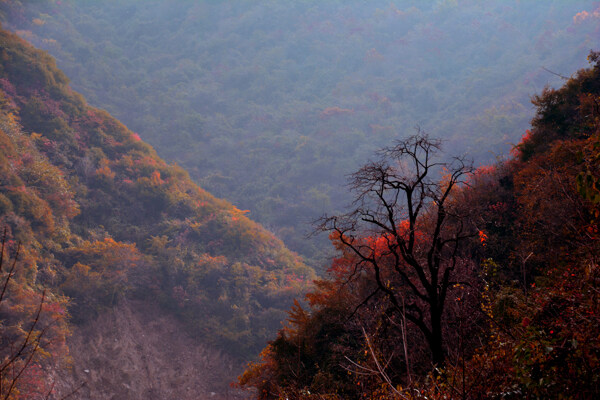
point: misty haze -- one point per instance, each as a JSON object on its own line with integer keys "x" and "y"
{"x": 314, "y": 200}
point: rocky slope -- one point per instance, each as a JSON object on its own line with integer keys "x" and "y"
{"x": 136, "y": 351}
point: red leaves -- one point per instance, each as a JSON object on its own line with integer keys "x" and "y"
{"x": 482, "y": 238}
{"x": 517, "y": 151}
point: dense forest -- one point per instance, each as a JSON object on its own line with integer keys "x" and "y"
{"x": 445, "y": 156}
{"x": 270, "y": 104}
{"x": 91, "y": 215}
{"x": 473, "y": 283}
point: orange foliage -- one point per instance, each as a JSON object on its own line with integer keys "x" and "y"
{"x": 585, "y": 15}
{"x": 156, "y": 179}
{"x": 333, "y": 111}
{"x": 105, "y": 172}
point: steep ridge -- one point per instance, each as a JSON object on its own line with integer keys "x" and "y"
{"x": 101, "y": 218}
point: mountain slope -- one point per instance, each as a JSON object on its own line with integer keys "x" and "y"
{"x": 138, "y": 351}
{"x": 101, "y": 217}
{"x": 521, "y": 320}
{"x": 267, "y": 104}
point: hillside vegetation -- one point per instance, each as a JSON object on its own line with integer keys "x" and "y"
{"x": 93, "y": 215}
{"x": 268, "y": 104}
{"x": 491, "y": 291}
{"x": 450, "y": 279}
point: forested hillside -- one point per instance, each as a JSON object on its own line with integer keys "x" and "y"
{"x": 464, "y": 220}
{"x": 476, "y": 283}
{"x": 92, "y": 216}
{"x": 268, "y": 104}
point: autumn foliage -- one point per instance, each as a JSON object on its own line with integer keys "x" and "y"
{"x": 101, "y": 217}
{"x": 523, "y": 324}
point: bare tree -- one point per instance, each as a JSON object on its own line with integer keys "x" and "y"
{"x": 407, "y": 232}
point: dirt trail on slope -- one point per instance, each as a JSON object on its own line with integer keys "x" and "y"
{"x": 137, "y": 351}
